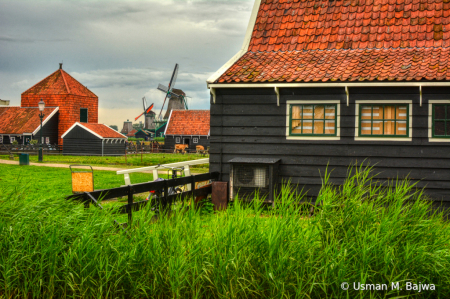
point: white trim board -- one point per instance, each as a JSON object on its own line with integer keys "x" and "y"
{"x": 358, "y": 138}
{"x": 338, "y": 120}
{"x": 245, "y": 44}
{"x": 167, "y": 124}
{"x": 430, "y": 121}
{"x": 46, "y": 120}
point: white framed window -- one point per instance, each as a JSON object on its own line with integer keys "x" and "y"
{"x": 387, "y": 120}
{"x": 439, "y": 121}
{"x": 12, "y": 139}
{"x": 313, "y": 120}
{"x": 177, "y": 139}
{"x": 195, "y": 140}
{"x": 47, "y": 140}
{"x": 1, "y": 138}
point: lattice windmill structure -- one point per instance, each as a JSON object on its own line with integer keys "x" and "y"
{"x": 177, "y": 98}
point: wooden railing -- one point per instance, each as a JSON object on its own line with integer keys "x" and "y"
{"x": 95, "y": 197}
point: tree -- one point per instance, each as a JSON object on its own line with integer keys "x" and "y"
{"x": 114, "y": 127}
{"x": 138, "y": 126}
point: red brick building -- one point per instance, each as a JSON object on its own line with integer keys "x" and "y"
{"x": 76, "y": 103}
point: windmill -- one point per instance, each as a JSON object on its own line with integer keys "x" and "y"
{"x": 149, "y": 115}
{"x": 177, "y": 98}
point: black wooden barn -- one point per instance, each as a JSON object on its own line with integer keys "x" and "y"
{"x": 22, "y": 124}
{"x": 189, "y": 127}
{"x": 311, "y": 96}
{"x": 144, "y": 134}
{"x": 93, "y": 140}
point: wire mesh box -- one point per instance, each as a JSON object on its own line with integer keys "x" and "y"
{"x": 253, "y": 176}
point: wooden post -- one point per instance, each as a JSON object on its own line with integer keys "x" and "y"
{"x": 166, "y": 192}
{"x": 126, "y": 156}
{"x": 130, "y": 204}
{"x": 187, "y": 172}
{"x": 219, "y": 195}
{"x": 142, "y": 150}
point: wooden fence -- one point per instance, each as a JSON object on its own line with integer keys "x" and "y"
{"x": 94, "y": 197}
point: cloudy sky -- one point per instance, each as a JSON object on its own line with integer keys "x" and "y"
{"x": 120, "y": 50}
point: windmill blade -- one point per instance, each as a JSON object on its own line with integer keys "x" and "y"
{"x": 149, "y": 108}
{"x": 139, "y": 116}
{"x": 174, "y": 77}
{"x": 163, "y": 88}
{"x": 144, "y": 102}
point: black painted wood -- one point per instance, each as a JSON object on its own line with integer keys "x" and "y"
{"x": 246, "y": 122}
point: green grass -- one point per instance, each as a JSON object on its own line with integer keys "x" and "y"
{"x": 132, "y": 161}
{"x": 51, "y": 182}
{"x": 50, "y": 248}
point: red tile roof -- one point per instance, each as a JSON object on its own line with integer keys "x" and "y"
{"x": 59, "y": 82}
{"x": 131, "y": 133}
{"x": 17, "y": 120}
{"x": 188, "y": 122}
{"x": 102, "y": 130}
{"x": 364, "y": 40}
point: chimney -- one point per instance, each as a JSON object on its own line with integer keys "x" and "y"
{"x": 60, "y": 66}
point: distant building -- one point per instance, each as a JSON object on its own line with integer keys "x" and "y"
{"x": 189, "y": 127}
{"x": 4, "y": 103}
{"x": 76, "y": 102}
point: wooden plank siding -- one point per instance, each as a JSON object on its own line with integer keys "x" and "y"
{"x": 169, "y": 141}
{"x": 50, "y": 129}
{"x": 248, "y": 123}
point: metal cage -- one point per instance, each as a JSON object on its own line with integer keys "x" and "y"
{"x": 250, "y": 177}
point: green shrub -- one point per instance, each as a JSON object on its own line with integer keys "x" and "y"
{"x": 15, "y": 142}
{"x": 33, "y": 142}
{"x": 159, "y": 139}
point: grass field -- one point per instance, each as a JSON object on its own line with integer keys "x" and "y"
{"x": 131, "y": 162}
{"x": 360, "y": 233}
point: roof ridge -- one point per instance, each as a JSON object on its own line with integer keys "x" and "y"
{"x": 363, "y": 49}
{"x": 87, "y": 89}
{"x": 40, "y": 81}
{"x": 65, "y": 82}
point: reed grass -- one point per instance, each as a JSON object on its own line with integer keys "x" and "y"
{"x": 361, "y": 232}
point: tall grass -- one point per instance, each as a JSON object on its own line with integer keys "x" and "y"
{"x": 360, "y": 232}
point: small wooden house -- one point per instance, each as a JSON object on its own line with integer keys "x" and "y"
{"x": 330, "y": 83}
{"x": 144, "y": 134}
{"x": 189, "y": 127}
{"x": 93, "y": 140}
{"x": 23, "y": 125}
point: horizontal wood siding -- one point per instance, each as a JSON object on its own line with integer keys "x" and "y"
{"x": 81, "y": 142}
{"x": 169, "y": 141}
{"x": 248, "y": 123}
{"x": 50, "y": 129}
{"x": 114, "y": 149}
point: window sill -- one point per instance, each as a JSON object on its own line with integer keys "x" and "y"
{"x": 434, "y": 139}
{"x": 358, "y": 138}
{"x": 313, "y": 138}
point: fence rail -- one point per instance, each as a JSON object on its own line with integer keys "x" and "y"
{"x": 94, "y": 197}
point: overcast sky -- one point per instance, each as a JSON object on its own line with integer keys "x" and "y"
{"x": 120, "y": 50}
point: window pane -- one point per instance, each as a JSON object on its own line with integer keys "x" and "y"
{"x": 377, "y": 112}
{"x": 330, "y": 112}
{"x": 401, "y": 128}
{"x": 330, "y": 126}
{"x": 296, "y": 112}
{"x": 307, "y": 111}
{"x": 366, "y": 112}
{"x": 389, "y": 127}
{"x": 389, "y": 112}
{"x": 439, "y": 128}
{"x": 307, "y": 127}
{"x": 401, "y": 112}
{"x": 439, "y": 112}
{"x": 448, "y": 112}
{"x": 297, "y": 126}
{"x": 319, "y": 111}
{"x": 448, "y": 128}
{"x": 318, "y": 126}
{"x": 377, "y": 128}
{"x": 366, "y": 128}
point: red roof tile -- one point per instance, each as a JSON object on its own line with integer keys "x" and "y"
{"x": 59, "y": 82}
{"x": 346, "y": 40}
{"x": 188, "y": 122}
{"x": 102, "y": 130}
{"x": 131, "y": 133}
{"x": 17, "y": 120}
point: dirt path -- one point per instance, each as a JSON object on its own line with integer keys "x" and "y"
{"x": 67, "y": 166}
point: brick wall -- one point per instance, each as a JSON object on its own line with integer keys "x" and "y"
{"x": 69, "y": 108}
